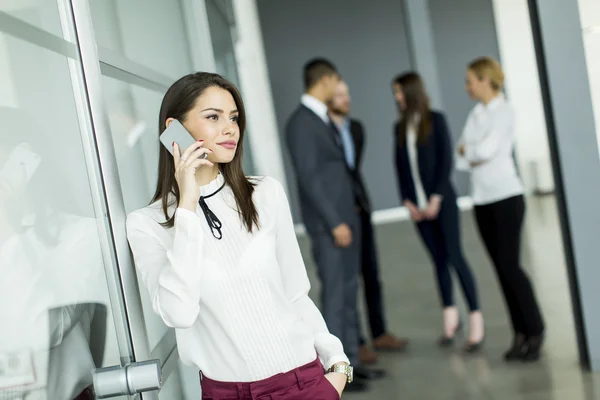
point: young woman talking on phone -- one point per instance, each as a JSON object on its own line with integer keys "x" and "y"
{"x": 219, "y": 256}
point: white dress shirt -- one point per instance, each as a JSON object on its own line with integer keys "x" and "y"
{"x": 488, "y": 139}
{"x": 413, "y": 158}
{"x": 239, "y": 305}
{"x": 316, "y": 106}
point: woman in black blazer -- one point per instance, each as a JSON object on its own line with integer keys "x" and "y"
{"x": 423, "y": 166}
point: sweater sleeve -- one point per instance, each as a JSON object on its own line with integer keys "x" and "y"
{"x": 172, "y": 276}
{"x": 443, "y": 165}
{"x": 296, "y": 284}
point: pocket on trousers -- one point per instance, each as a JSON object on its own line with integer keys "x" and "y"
{"x": 329, "y": 388}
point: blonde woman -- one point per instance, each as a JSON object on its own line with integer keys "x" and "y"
{"x": 486, "y": 150}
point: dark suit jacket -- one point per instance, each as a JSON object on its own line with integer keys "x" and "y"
{"x": 434, "y": 159}
{"x": 325, "y": 186}
{"x": 359, "y": 139}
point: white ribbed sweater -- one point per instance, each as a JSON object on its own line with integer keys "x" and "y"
{"x": 239, "y": 305}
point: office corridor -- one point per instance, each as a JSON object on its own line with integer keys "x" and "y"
{"x": 427, "y": 372}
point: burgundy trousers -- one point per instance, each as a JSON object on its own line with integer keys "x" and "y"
{"x": 307, "y": 382}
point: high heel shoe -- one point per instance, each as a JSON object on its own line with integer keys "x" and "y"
{"x": 474, "y": 347}
{"x": 476, "y": 325}
{"x": 451, "y": 325}
{"x": 447, "y": 341}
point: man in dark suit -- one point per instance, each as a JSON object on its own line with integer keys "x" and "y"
{"x": 329, "y": 196}
{"x": 353, "y": 139}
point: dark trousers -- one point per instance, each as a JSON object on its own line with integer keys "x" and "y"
{"x": 441, "y": 236}
{"x": 304, "y": 383}
{"x": 338, "y": 270}
{"x": 370, "y": 275}
{"x": 500, "y": 226}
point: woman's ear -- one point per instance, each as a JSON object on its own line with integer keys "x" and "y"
{"x": 168, "y": 122}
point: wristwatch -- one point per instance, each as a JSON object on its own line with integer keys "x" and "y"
{"x": 345, "y": 369}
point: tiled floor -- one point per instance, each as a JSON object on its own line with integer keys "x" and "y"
{"x": 427, "y": 372}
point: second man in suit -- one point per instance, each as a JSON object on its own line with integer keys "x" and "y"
{"x": 329, "y": 197}
{"x": 352, "y": 136}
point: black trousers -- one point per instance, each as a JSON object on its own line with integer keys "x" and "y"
{"x": 441, "y": 236}
{"x": 370, "y": 275}
{"x": 500, "y": 225}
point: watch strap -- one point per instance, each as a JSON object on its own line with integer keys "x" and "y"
{"x": 342, "y": 369}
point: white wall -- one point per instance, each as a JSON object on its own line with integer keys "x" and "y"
{"x": 523, "y": 90}
{"x": 589, "y": 13}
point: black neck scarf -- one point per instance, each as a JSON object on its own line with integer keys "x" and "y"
{"x": 214, "y": 223}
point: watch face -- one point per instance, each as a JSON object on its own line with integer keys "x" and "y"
{"x": 350, "y": 374}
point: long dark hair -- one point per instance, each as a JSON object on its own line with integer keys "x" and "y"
{"x": 417, "y": 103}
{"x": 178, "y": 101}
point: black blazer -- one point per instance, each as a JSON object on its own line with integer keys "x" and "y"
{"x": 434, "y": 159}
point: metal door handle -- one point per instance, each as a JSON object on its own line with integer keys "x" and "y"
{"x": 130, "y": 379}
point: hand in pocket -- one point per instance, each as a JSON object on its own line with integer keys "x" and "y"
{"x": 338, "y": 381}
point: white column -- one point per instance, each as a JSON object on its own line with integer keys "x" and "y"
{"x": 515, "y": 40}
{"x": 589, "y": 13}
{"x": 263, "y": 136}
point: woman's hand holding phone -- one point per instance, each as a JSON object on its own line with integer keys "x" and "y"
{"x": 186, "y": 164}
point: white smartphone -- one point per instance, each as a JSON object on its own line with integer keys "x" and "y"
{"x": 177, "y": 133}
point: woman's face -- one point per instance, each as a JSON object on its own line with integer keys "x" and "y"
{"x": 399, "y": 96}
{"x": 474, "y": 86}
{"x": 214, "y": 119}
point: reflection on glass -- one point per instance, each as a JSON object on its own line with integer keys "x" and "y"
{"x": 157, "y": 40}
{"x": 41, "y": 14}
{"x": 54, "y": 304}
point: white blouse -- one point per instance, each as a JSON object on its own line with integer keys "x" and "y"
{"x": 489, "y": 139}
{"x": 239, "y": 305}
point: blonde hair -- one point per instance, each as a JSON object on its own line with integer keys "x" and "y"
{"x": 487, "y": 67}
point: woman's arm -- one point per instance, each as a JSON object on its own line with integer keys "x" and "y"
{"x": 400, "y": 168}
{"x": 443, "y": 150}
{"x": 296, "y": 283}
{"x": 173, "y": 275}
{"x": 500, "y": 131}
